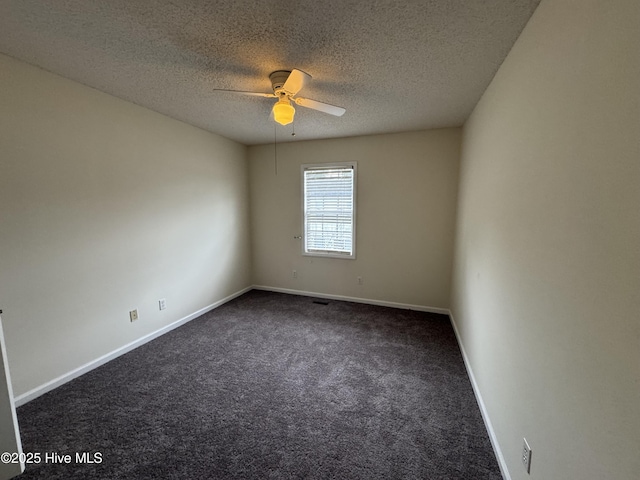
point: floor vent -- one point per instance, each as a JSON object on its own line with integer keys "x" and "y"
{"x": 321, "y": 302}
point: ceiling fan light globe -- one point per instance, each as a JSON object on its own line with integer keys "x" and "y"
{"x": 283, "y": 112}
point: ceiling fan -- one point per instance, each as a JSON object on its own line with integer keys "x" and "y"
{"x": 286, "y": 84}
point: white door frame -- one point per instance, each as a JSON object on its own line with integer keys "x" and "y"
{"x": 10, "y": 439}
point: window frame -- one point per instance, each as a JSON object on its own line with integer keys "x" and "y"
{"x": 323, "y": 166}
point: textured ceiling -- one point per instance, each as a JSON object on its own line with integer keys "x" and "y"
{"x": 394, "y": 65}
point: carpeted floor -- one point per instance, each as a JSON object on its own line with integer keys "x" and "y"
{"x": 272, "y": 386}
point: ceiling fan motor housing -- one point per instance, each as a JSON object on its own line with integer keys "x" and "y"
{"x": 278, "y": 78}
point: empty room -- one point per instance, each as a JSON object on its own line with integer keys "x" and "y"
{"x": 349, "y": 240}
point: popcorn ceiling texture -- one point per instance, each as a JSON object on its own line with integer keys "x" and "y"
{"x": 395, "y": 66}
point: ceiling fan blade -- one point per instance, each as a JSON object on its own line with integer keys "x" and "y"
{"x": 255, "y": 94}
{"x": 323, "y": 107}
{"x": 295, "y": 82}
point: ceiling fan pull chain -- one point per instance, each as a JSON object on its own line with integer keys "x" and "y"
{"x": 275, "y": 149}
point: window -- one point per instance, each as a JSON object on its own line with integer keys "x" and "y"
{"x": 329, "y": 193}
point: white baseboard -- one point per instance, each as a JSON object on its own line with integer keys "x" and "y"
{"x": 67, "y": 377}
{"x": 483, "y": 409}
{"x": 382, "y": 303}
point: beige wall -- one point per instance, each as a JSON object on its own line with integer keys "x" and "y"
{"x": 106, "y": 207}
{"x": 547, "y": 262}
{"x": 405, "y": 217}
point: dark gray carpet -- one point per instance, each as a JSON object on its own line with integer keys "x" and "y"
{"x": 273, "y": 386}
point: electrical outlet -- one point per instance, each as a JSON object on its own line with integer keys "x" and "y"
{"x": 295, "y": 274}
{"x": 162, "y": 303}
{"x": 359, "y": 280}
{"x": 526, "y": 455}
{"x": 133, "y": 315}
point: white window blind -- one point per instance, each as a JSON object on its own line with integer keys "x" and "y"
{"x": 329, "y": 210}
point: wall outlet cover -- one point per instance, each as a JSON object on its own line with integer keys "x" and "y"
{"x": 526, "y": 455}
